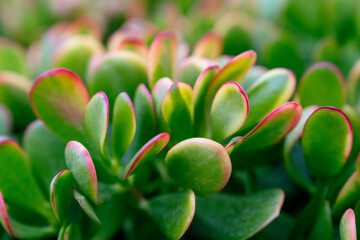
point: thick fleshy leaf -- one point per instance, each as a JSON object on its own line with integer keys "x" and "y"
{"x": 199, "y": 93}
{"x": 14, "y": 93}
{"x": 86, "y": 206}
{"x": 148, "y": 151}
{"x": 293, "y": 157}
{"x": 330, "y": 90}
{"x": 353, "y": 91}
{"x": 12, "y": 57}
{"x": 173, "y": 212}
{"x": 46, "y": 153}
{"x": 209, "y": 46}
{"x": 59, "y": 98}
{"x": 133, "y": 44}
{"x": 233, "y": 217}
{"x": 79, "y": 162}
{"x": 190, "y": 69}
{"x": 158, "y": 93}
{"x": 162, "y": 57}
{"x": 327, "y": 141}
{"x": 124, "y": 125}
{"x": 270, "y": 91}
{"x": 322, "y": 228}
{"x": 348, "y": 226}
{"x": 96, "y": 119}
{"x": 234, "y": 71}
{"x": 199, "y": 164}
{"x": 74, "y": 53}
{"x": 273, "y": 128}
{"x": 61, "y": 195}
{"x": 348, "y": 196}
{"x": 17, "y": 183}
{"x": 145, "y": 121}
{"x": 233, "y": 144}
{"x": 177, "y": 109}
{"x": 6, "y": 120}
{"x": 229, "y": 111}
{"x": 19, "y": 230}
{"x": 118, "y": 72}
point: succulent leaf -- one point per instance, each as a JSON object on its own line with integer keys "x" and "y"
{"x": 348, "y": 226}
{"x": 80, "y": 164}
{"x": 124, "y": 125}
{"x": 85, "y": 205}
{"x": 199, "y": 164}
{"x": 173, "y": 212}
{"x": 327, "y": 141}
{"x": 209, "y": 46}
{"x": 229, "y": 111}
{"x": 226, "y": 216}
{"x": 158, "y": 93}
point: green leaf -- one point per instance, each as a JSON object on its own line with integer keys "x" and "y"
{"x": 61, "y": 195}
{"x": 327, "y": 142}
{"x": 86, "y": 206}
{"x": 59, "y": 98}
{"x": 158, "y": 93}
{"x": 273, "y": 89}
{"x": 293, "y": 155}
{"x": 14, "y": 93}
{"x": 124, "y": 125}
{"x": 46, "y": 153}
{"x": 96, "y": 119}
{"x": 17, "y": 183}
{"x": 74, "y": 53}
{"x": 173, "y": 212}
{"x": 199, "y": 164}
{"x": 330, "y": 86}
{"x": 229, "y": 111}
{"x": 273, "y": 128}
{"x": 118, "y": 72}
{"x": 234, "y": 71}
{"x": 145, "y": 121}
{"x": 209, "y": 46}
{"x": 177, "y": 109}
{"x": 133, "y": 44}
{"x": 230, "y": 217}
{"x": 254, "y": 74}
{"x": 19, "y": 230}
{"x": 13, "y": 57}
{"x": 199, "y": 93}
{"x": 348, "y": 226}
{"x": 162, "y": 57}
{"x": 233, "y": 144}
{"x": 148, "y": 151}
{"x": 79, "y": 162}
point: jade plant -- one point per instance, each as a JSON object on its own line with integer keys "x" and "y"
{"x": 145, "y": 137}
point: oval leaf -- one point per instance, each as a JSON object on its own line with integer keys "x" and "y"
{"x": 238, "y": 217}
{"x": 59, "y": 98}
{"x": 177, "y": 109}
{"x": 209, "y": 46}
{"x": 330, "y": 86}
{"x": 327, "y": 141}
{"x": 354, "y": 86}
{"x": 229, "y": 111}
{"x": 199, "y": 164}
{"x": 61, "y": 195}
{"x": 148, "y": 151}
{"x": 79, "y": 162}
{"x": 96, "y": 119}
{"x": 124, "y": 125}
{"x": 173, "y": 212}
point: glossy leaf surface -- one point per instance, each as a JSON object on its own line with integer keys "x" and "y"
{"x": 348, "y": 226}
